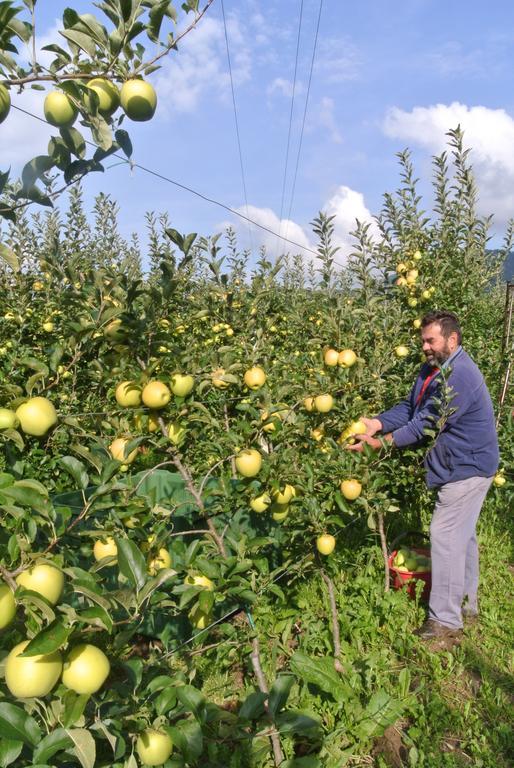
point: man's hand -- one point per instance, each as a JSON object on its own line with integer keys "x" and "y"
{"x": 372, "y": 425}
{"x": 372, "y": 441}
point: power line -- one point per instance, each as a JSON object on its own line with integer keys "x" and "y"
{"x": 236, "y": 120}
{"x": 192, "y": 191}
{"x": 304, "y": 113}
{"x": 284, "y": 181}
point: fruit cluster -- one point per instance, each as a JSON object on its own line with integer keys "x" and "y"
{"x": 411, "y": 561}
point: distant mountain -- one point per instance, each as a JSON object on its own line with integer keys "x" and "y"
{"x": 508, "y": 268}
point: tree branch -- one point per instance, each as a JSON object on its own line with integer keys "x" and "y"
{"x": 263, "y": 687}
{"x": 335, "y": 623}
{"x": 383, "y": 544}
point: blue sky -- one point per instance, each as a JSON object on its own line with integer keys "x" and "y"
{"x": 387, "y": 75}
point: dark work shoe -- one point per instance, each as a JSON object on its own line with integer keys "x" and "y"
{"x": 432, "y": 630}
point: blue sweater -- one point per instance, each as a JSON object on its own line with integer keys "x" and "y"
{"x": 467, "y": 445}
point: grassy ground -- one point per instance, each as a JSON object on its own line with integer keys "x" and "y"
{"x": 445, "y": 708}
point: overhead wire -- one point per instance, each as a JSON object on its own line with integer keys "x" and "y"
{"x": 291, "y": 111}
{"x": 293, "y": 187}
{"x": 192, "y": 191}
{"x": 236, "y": 121}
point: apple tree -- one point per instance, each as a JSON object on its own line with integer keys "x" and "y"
{"x": 99, "y": 64}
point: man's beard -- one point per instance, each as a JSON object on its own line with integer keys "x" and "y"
{"x": 438, "y": 358}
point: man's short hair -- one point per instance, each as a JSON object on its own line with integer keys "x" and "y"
{"x": 448, "y": 322}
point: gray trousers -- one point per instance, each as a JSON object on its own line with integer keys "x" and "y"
{"x": 454, "y": 549}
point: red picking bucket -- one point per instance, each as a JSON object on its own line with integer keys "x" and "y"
{"x": 407, "y": 579}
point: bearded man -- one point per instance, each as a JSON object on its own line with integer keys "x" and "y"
{"x": 449, "y": 396}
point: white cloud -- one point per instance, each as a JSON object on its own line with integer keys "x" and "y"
{"x": 488, "y": 132}
{"x": 200, "y": 67}
{"x": 348, "y": 205}
{"x": 284, "y": 87}
{"x": 23, "y": 137}
{"x": 251, "y": 236}
{"x": 326, "y": 118}
{"x": 337, "y": 61}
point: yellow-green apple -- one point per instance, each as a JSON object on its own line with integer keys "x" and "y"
{"x": 138, "y": 100}
{"x": 85, "y": 669}
{"x": 181, "y": 384}
{"x": 284, "y": 494}
{"x": 154, "y": 747}
{"x": 108, "y": 95}
{"x": 59, "y": 110}
{"x": 128, "y": 394}
{"x": 31, "y": 676}
{"x": 5, "y": 102}
{"x": 161, "y": 560}
{"x": 260, "y": 503}
{"x": 351, "y": 489}
{"x": 8, "y": 419}
{"x": 323, "y": 403}
{"x": 331, "y": 357}
{"x": 7, "y": 605}
{"x": 325, "y": 544}
{"x": 198, "y": 580}
{"x": 248, "y": 462}
{"x": 45, "y": 579}
{"x": 117, "y": 449}
{"x": 347, "y": 358}
{"x": 156, "y": 395}
{"x": 37, "y": 415}
{"x": 254, "y": 378}
{"x": 105, "y": 548}
{"x": 217, "y": 379}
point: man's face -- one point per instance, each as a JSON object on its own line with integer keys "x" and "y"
{"x": 437, "y": 349}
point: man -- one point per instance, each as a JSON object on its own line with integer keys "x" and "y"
{"x": 450, "y": 397}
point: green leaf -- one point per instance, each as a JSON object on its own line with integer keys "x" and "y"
{"x": 253, "y": 706}
{"x": 74, "y": 141}
{"x": 9, "y": 257}
{"x": 74, "y": 705}
{"x": 279, "y": 693}
{"x": 296, "y": 721}
{"x": 80, "y": 40}
{"x": 27, "y": 497}
{"x": 131, "y": 562}
{"x": 123, "y": 139}
{"x": 165, "y": 701}
{"x": 96, "y": 617}
{"x": 321, "y": 672}
{"x": 9, "y": 751}
{"x": 28, "y": 597}
{"x": 85, "y": 747}
{"x": 56, "y": 741}
{"x": 309, "y": 761}
{"x": 187, "y": 736}
{"x": 191, "y": 699}
{"x": 76, "y": 469}
{"x": 381, "y": 711}
{"x": 35, "y": 169}
{"x": 48, "y": 640}
{"x": 15, "y": 724}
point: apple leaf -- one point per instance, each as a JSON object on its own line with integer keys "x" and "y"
{"x": 9, "y": 257}
{"x": 54, "y": 742}
{"x": 48, "y": 640}
{"x": 17, "y": 725}
{"x": 85, "y": 747}
{"x": 131, "y": 562}
{"x": 76, "y": 469}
